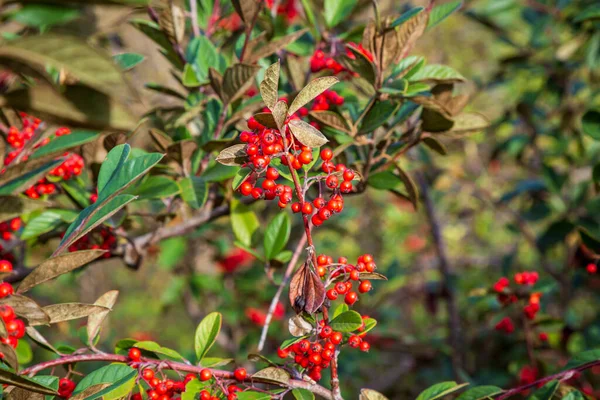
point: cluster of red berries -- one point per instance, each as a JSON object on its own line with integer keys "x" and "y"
{"x": 65, "y": 388}
{"x": 72, "y": 166}
{"x": 8, "y": 228}
{"x": 286, "y": 8}
{"x": 321, "y": 61}
{"x": 350, "y": 275}
{"x": 102, "y": 238}
{"x": 263, "y": 144}
{"x": 167, "y": 389}
{"x": 316, "y": 356}
{"x": 14, "y": 326}
{"x": 259, "y": 317}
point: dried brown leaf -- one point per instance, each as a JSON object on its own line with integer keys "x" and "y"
{"x": 307, "y": 292}
{"x": 307, "y": 134}
{"x": 267, "y": 119}
{"x": 108, "y": 300}
{"x": 409, "y": 32}
{"x": 332, "y": 119}
{"x": 56, "y": 266}
{"x": 272, "y": 374}
{"x": 280, "y": 114}
{"x": 27, "y": 308}
{"x": 310, "y": 91}
{"x": 234, "y": 155}
{"x": 269, "y": 86}
{"x": 236, "y": 80}
{"x": 69, "y": 311}
{"x": 274, "y": 46}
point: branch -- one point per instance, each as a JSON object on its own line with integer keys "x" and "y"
{"x": 444, "y": 266}
{"x": 561, "y": 376}
{"x": 282, "y": 285}
{"x": 175, "y": 366}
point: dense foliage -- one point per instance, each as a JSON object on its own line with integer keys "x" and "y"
{"x": 283, "y": 192}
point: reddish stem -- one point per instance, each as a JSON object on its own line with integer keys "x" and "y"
{"x": 175, "y": 366}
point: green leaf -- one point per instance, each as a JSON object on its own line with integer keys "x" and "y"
{"x": 546, "y": 392}
{"x": 13, "y": 379}
{"x": 114, "y": 160}
{"x": 201, "y": 54}
{"x": 440, "y": 390}
{"x": 378, "y": 115}
{"x": 21, "y": 176}
{"x": 590, "y": 123}
{"x": 573, "y": 395}
{"x": 194, "y": 191}
{"x": 347, "y": 321}
{"x": 437, "y": 73}
{"x": 93, "y": 216}
{"x": 441, "y": 12}
{"x": 156, "y": 348}
{"x": 46, "y": 222}
{"x": 582, "y": 358}
{"x": 385, "y": 180}
{"x": 206, "y": 334}
{"x": 302, "y": 394}
{"x": 406, "y": 16}
{"x": 288, "y": 342}
{"x": 277, "y": 235}
{"x": 336, "y": 11}
{"x": 24, "y": 353}
{"x": 480, "y": 393}
{"x": 156, "y": 187}
{"x": 244, "y": 222}
{"x": 341, "y": 308}
{"x": 49, "y": 381}
{"x": 62, "y": 143}
{"x": 44, "y": 15}
{"x": 192, "y": 388}
{"x": 89, "y": 65}
{"x": 128, "y": 60}
{"x": 250, "y": 395}
{"x": 240, "y": 177}
{"x": 56, "y": 266}
{"x": 115, "y": 375}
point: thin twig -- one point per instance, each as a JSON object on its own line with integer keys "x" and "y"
{"x": 286, "y": 278}
{"x": 454, "y": 327}
{"x": 194, "y": 12}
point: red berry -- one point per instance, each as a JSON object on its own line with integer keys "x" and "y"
{"x": 283, "y": 353}
{"x": 346, "y": 187}
{"x": 322, "y": 259}
{"x": 354, "y": 341}
{"x": 326, "y": 331}
{"x": 591, "y": 268}
{"x": 135, "y": 354}
{"x": 296, "y": 207}
{"x": 246, "y": 188}
{"x": 319, "y": 202}
{"x": 332, "y": 294}
{"x": 240, "y": 374}
{"x": 272, "y": 173}
{"x": 305, "y": 157}
{"x": 5, "y": 266}
{"x": 341, "y": 288}
{"x": 307, "y": 208}
{"x": 364, "y": 286}
{"x": 326, "y": 154}
{"x": 336, "y": 337}
{"x": 348, "y": 175}
{"x": 351, "y": 298}
{"x": 147, "y": 374}
{"x": 5, "y": 289}
{"x": 365, "y": 346}
{"x": 205, "y": 374}
{"x": 331, "y": 181}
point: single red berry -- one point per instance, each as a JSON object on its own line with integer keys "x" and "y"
{"x": 246, "y": 188}
{"x": 326, "y": 331}
{"x": 321, "y": 271}
{"x": 365, "y": 346}
{"x": 5, "y": 266}
{"x": 355, "y": 275}
{"x": 316, "y": 221}
{"x": 354, "y": 341}
{"x": 364, "y": 286}
{"x": 332, "y": 294}
{"x": 283, "y": 353}
{"x": 319, "y": 202}
{"x": 543, "y": 336}
{"x": 331, "y": 181}
{"x": 204, "y": 395}
{"x": 346, "y": 187}
{"x": 268, "y": 184}
{"x": 326, "y": 154}
{"x": 305, "y": 157}
{"x": 240, "y": 374}
{"x": 6, "y": 289}
{"x": 348, "y": 175}
{"x": 351, "y": 298}
{"x": 272, "y": 173}
{"x": 336, "y": 337}
{"x": 307, "y": 208}
{"x": 341, "y": 288}
{"x": 296, "y": 207}
{"x": 135, "y": 354}
{"x": 315, "y": 358}
{"x": 322, "y": 259}
{"x": 205, "y": 374}
{"x": 591, "y": 268}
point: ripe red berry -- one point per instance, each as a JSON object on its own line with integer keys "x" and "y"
{"x": 268, "y": 184}
{"x": 283, "y": 353}
{"x": 147, "y": 374}
{"x": 326, "y": 154}
{"x": 346, "y": 187}
{"x": 354, "y": 341}
{"x": 326, "y": 331}
{"x": 336, "y": 337}
{"x": 319, "y": 202}
{"x": 205, "y": 374}
{"x": 296, "y": 207}
{"x": 364, "y": 286}
{"x": 272, "y": 174}
{"x": 135, "y": 354}
{"x": 5, "y": 266}
{"x": 240, "y": 374}
{"x": 246, "y": 188}
{"x": 348, "y": 175}
{"x": 307, "y": 208}
{"x": 316, "y": 221}
{"x": 341, "y": 288}
{"x": 305, "y": 157}
{"x": 6, "y": 289}
{"x": 365, "y": 346}
{"x": 331, "y": 181}
{"x": 591, "y": 268}
{"x": 351, "y": 298}
{"x": 332, "y": 294}
{"x": 322, "y": 259}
